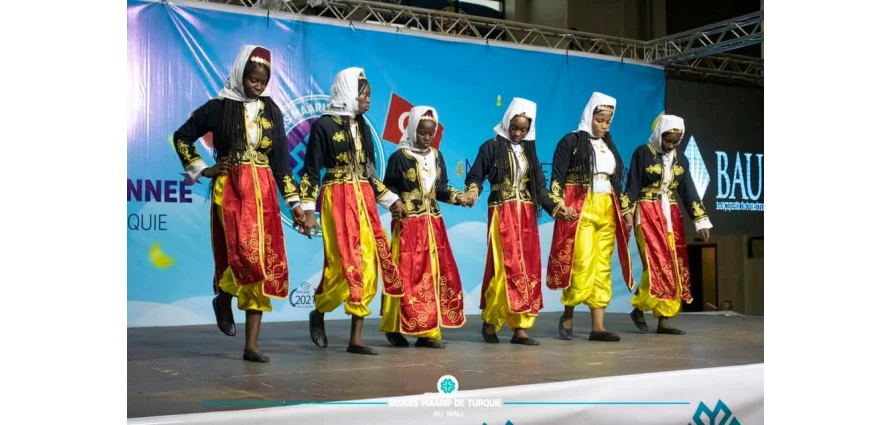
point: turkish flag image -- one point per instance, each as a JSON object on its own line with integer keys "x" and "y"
{"x": 397, "y": 121}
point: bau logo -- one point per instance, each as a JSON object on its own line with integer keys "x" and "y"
{"x": 721, "y": 415}
{"x": 301, "y": 296}
{"x": 734, "y": 193}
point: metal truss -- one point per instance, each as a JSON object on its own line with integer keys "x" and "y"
{"x": 733, "y": 69}
{"x": 708, "y": 40}
{"x": 691, "y": 54}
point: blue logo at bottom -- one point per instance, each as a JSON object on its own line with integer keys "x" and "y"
{"x": 705, "y": 416}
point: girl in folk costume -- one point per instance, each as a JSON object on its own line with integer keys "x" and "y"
{"x": 511, "y": 286}
{"x": 433, "y": 291}
{"x": 355, "y": 244}
{"x": 250, "y": 149}
{"x": 656, "y": 171}
{"x": 588, "y": 176}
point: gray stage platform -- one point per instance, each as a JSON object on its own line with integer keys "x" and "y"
{"x": 171, "y": 370}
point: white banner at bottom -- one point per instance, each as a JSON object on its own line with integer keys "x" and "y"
{"x": 713, "y": 396}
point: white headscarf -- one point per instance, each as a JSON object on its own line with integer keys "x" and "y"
{"x": 518, "y": 106}
{"x": 344, "y": 93}
{"x": 598, "y": 102}
{"x": 665, "y": 124}
{"x": 409, "y": 138}
{"x": 234, "y": 88}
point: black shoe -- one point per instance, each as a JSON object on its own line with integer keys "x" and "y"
{"x": 397, "y": 339}
{"x": 255, "y": 356}
{"x": 564, "y": 332}
{"x": 639, "y": 320}
{"x": 428, "y": 343}
{"x": 361, "y": 349}
{"x": 669, "y": 331}
{"x": 604, "y": 336}
{"x": 316, "y": 329}
{"x": 225, "y": 324}
{"x": 491, "y": 338}
{"x": 524, "y": 341}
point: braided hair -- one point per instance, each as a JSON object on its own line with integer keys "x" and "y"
{"x": 232, "y": 140}
{"x": 587, "y": 162}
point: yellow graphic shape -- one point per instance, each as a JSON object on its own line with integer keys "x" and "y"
{"x": 498, "y": 103}
{"x": 460, "y": 169}
{"x": 655, "y": 123}
{"x": 158, "y": 258}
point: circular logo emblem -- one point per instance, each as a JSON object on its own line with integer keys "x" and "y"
{"x": 447, "y": 385}
{"x": 302, "y": 296}
{"x": 299, "y": 115}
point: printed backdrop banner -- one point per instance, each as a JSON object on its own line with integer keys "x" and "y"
{"x": 179, "y": 55}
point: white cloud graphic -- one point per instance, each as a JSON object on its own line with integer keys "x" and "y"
{"x": 141, "y": 314}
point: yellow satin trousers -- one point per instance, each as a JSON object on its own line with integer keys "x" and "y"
{"x": 335, "y": 287}
{"x": 591, "y": 281}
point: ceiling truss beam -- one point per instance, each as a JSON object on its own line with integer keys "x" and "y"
{"x": 697, "y": 53}
{"x": 708, "y": 40}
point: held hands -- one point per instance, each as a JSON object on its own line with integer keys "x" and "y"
{"x": 398, "y": 210}
{"x": 567, "y": 214}
{"x": 463, "y": 200}
{"x": 299, "y": 217}
{"x": 470, "y": 198}
{"x": 628, "y": 221}
{"x": 309, "y": 225}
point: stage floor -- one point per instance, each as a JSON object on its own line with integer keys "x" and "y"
{"x": 171, "y": 370}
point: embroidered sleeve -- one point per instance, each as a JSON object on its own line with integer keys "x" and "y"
{"x": 634, "y": 183}
{"x": 312, "y": 165}
{"x": 481, "y": 167}
{"x": 279, "y": 160}
{"x": 562, "y": 159}
{"x": 392, "y": 178}
{"x": 543, "y": 194}
{"x": 384, "y": 196}
{"x": 444, "y": 192}
{"x": 692, "y": 202}
{"x": 184, "y": 139}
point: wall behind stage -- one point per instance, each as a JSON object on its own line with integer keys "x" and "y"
{"x": 724, "y": 145}
{"x": 179, "y": 55}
